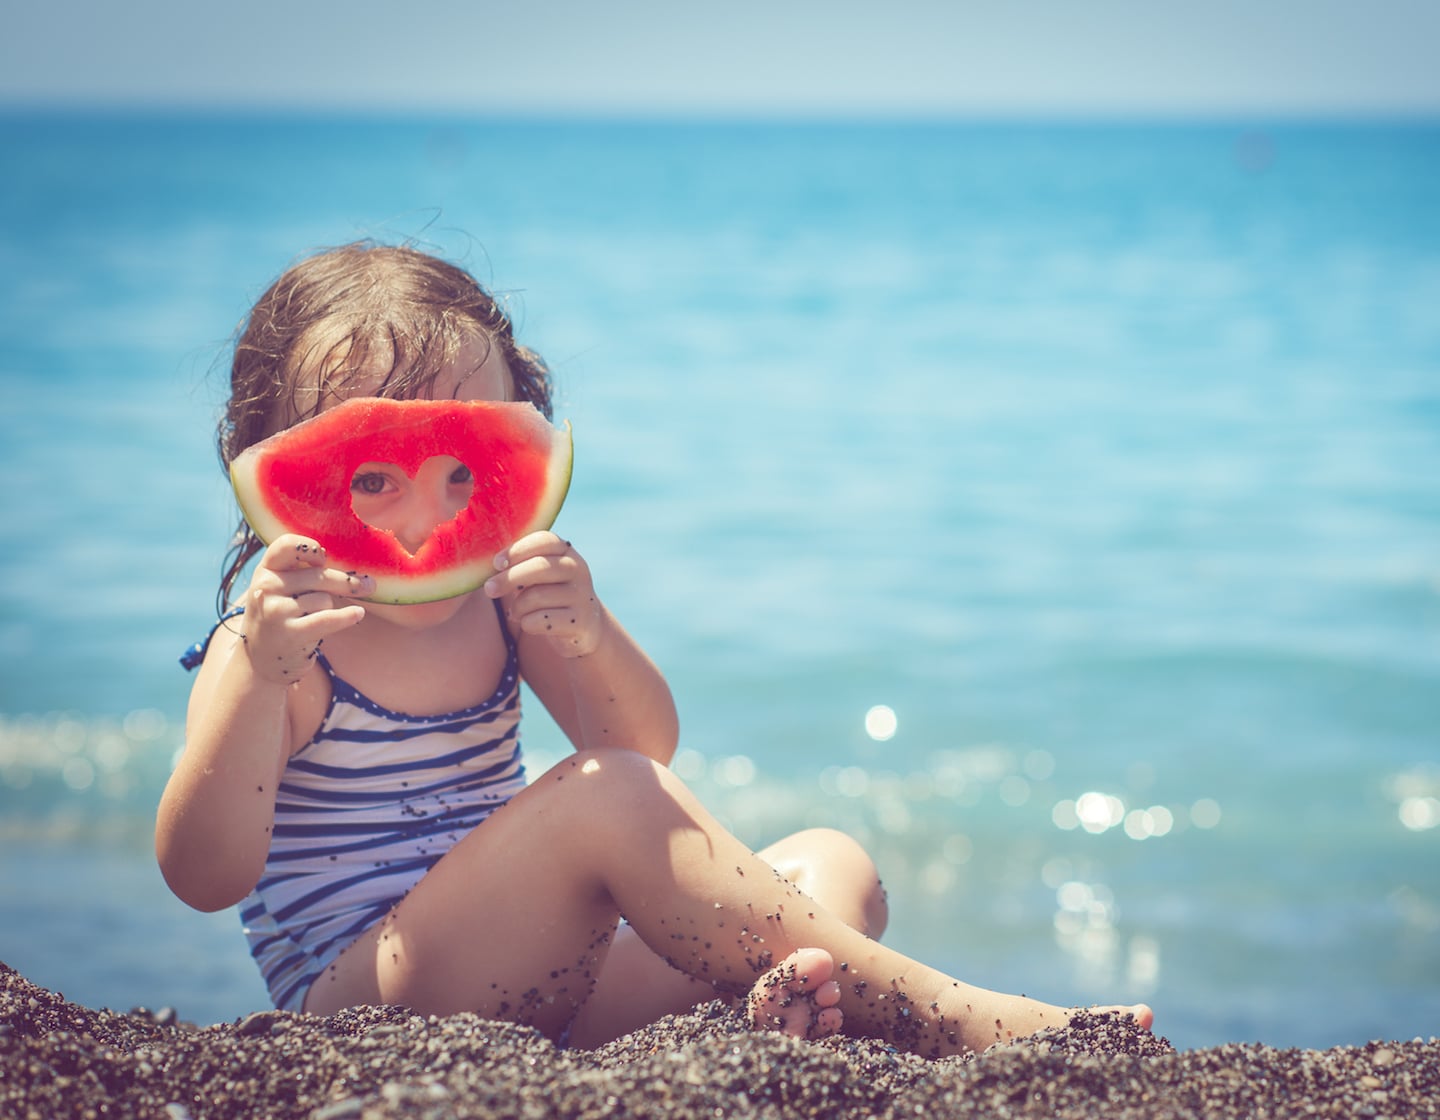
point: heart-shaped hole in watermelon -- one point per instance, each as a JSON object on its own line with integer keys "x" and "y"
{"x": 411, "y": 508}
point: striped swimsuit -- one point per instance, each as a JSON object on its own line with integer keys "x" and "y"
{"x": 364, "y": 810}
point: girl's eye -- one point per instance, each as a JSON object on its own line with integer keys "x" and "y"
{"x": 368, "y": 484}
{"x": 461, "y": 475}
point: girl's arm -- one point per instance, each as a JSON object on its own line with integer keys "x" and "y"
{"x": 594, "y": 679}
{"x": 212, "y": 830}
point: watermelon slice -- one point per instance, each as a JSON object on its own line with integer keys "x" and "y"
{"x": 298, "y": 481}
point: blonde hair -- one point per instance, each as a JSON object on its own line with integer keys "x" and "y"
{"x": 359, "y": 310}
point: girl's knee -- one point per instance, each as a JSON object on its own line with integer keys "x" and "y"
{"x": 836, "y": 870}
{"x": 816, "y": 848}
{"x": 612, "y": 766}
{"x": 615, "y": 779}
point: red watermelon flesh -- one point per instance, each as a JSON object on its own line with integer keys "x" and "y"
{"x": 298, "y": 481}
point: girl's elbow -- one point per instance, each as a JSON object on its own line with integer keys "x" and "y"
{"x": 201, "y": 891}
{"x": 206, "y": 884}
{"x": 669, "y": 744}
{"x": 659, "y": 745}
{"x": 206, "y": 901}
{"x": 657, "y": 735}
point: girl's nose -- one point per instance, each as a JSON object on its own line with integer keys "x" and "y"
{"x": 418, "y": 524}
{"x": 433, "y": 499}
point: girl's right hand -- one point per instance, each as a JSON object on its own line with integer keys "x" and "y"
{"x": 292, "y": 606}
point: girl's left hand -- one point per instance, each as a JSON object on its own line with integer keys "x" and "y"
{"x": 550, "y": 593}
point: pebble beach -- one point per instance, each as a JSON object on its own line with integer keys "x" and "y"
{"x": 60, "y": 1059}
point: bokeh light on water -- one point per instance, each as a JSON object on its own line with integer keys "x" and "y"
{"x": 1416, "y": 794}
{"x": 64, "y": 776}
{"x": 881, "y": 723}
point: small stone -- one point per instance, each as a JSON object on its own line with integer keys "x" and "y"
{"x": 340, "y": 1110}
{"x": 258, "y": 1022}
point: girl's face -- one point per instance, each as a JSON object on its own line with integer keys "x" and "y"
{"x": 385, "y": 497}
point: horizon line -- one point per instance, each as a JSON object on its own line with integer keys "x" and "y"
{"x": 1215, "y": 115}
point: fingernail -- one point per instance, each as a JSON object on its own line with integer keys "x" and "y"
{"x": 492, "y": 588}
{"x": 502, "y": 561}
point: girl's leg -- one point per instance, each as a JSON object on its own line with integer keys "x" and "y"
{"x": 636, "y": 986}
{"x": 515, "y": 921}
{"x": 832, "y": 868}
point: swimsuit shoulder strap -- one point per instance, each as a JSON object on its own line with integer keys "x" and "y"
{"x": 192, "y": 657}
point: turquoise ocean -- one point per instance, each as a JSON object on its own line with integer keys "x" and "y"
{"x": 1057, "y": 508}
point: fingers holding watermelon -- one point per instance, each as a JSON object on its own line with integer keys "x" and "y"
{"x": 295, "y": 602}
{"x": 549, "y": 593}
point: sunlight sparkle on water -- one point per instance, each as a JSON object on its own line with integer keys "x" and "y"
{"x": 1141, "y": 824}
{"x": 881, "y": 723}
{"x": 733, "y": 771}
{"x": 98, "y": 756}
{"x": 1098, "y": 812}
{"x": 1416, "y": 794}
{"x": 1419, "y": 813}
{"x": 1205, "y": 813}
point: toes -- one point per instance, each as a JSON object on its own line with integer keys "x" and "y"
{"x": 829, "y": 1021}
{"x": 798, "y": 997}
{"x": 1141, "y": 1012}
{"x": 806, "y": 970}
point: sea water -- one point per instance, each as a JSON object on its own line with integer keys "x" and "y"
{"x": 1055, "y": 508}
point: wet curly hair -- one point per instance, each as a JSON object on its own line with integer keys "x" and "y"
{"x": 363, "y": 310}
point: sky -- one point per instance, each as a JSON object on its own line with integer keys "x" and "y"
{"x": 748, "y": 58}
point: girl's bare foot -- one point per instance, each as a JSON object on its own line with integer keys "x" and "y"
{"x": 1140, "y": 1012}
{"x": 798, "y": 997}
{"x": 989, "y": 1017}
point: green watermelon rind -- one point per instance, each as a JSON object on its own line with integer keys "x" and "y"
{"x": 413, "y": 588}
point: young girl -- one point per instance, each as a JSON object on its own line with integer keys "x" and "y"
{"x": 348, "y": 796}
